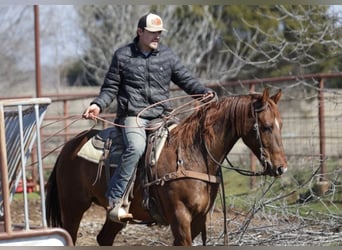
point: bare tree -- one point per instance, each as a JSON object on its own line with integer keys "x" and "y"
{"x": 14, "y": 52}
{"x": 17, "y": 47}
{"x": 220, "y": 43}
{"x": 106, "y": 29}
{"x": 302, "y": 38}
{"x": 217, "y": 43}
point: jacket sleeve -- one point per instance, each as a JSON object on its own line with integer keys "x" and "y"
{"x": 110, "y": 86}
{"x": 183, "y": 78}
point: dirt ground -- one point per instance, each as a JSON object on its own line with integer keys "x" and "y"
{"x": 263, "y": 231}
{"x": 131, "y": 235}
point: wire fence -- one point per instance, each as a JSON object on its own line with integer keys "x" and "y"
{"x": 304, "y": 207}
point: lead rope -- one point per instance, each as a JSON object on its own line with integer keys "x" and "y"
{"x": 57, "y": 133}
{"x": 179, "y": 110}
{"x": 232, "y": 167}
{"x": 225, "y": 231}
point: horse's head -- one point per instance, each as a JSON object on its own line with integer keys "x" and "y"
{"x": 264, "y": 136}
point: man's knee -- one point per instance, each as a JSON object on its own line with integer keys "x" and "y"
{"x": 138, "y": 148}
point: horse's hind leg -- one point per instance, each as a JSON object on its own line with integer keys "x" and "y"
{"x": 108, "y": 232}
{"x": 72, "y": 214}
{"x": 204, "y": 234}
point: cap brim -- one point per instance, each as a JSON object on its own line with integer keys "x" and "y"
{"x": 155, "y": 29}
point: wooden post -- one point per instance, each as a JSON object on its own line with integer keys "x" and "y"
{"x": 66, "y": 124}
{"x": 37, "y": 51}
{"x": 321, "y": 129}
{"x": 38, "y": 73}
{"x": 323, "y": 185}
{"x": 4, "y": 173}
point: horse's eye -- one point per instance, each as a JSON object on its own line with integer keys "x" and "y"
{"x": 266, "y": 129}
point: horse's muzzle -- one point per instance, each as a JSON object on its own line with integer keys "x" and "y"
{"x": 273, "y": 170}
{"x": 280, "y": 170}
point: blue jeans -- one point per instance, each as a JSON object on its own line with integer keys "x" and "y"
{"x": 132, "y": 145}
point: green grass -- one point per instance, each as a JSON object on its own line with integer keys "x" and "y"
{"x": 235, "y": 183}
{"x": 303, "y": 199}
{"x": 31, "y": 195}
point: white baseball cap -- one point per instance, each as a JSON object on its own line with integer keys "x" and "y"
{"x": 151, "y": 22}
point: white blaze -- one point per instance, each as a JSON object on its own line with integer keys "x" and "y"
{"x": 276, "y": 123}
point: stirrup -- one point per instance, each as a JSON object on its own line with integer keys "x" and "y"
{"x": 119, "y": 214}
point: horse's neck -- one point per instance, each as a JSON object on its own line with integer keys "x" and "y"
{"x": 232, "y": 124}
{"x": 225, "y": 140}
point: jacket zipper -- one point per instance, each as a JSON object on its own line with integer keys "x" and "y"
{"x": 148, "y": 90}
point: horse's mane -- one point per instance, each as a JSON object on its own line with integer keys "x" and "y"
{"x": 203, "y": 125}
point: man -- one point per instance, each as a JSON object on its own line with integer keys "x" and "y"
{"x": 139, "y": 75}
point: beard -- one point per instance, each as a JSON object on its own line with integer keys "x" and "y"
{"x": 153, "y": 45}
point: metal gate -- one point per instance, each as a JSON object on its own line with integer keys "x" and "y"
{"x": 20, "y": 121}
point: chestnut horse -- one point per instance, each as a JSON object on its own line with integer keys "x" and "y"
{"x": 197, "y": 145}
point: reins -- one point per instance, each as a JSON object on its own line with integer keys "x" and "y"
{"x": 174, "y": 112}
{"x": 177, "y": 111}
{"x": 232, "y": 167}
{"x": 244, "y": 172}
{"x": 77, "y": 118}
{"x": 262, "y": 156}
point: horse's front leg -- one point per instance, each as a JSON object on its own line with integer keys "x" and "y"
{"x": 181, "y": 226}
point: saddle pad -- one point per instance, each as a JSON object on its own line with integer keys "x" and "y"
{"x": 162, "y": 139}
{"x": 90, "y": 153}
{"x": 94, "y": 154}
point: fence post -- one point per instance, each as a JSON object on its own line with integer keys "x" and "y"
{"x": 66, "y": 115}
{"x": 5, "y": 192}
{"x": 321, "y": 128}
{"x": 322, "y": 185}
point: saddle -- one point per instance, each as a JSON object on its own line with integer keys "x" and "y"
{"x": 157, "y": 133}
{"x": 99, "y": 150}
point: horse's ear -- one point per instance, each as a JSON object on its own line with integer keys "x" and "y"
{"x": 265, "y": 95}
{"x": 276, "y": 97}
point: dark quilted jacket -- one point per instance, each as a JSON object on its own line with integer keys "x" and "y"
{"x": 137, "y": 81}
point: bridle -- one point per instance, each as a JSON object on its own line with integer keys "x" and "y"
{"x": 257, "y": 130}
{"x": 256, "y": 127}
{"x": 255, "y": 112}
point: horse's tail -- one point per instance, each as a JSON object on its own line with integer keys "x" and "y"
{"x": 53, "y": 212}
{"x": 52, "y": 206}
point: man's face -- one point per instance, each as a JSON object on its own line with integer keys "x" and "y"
{"x": 148, "y": 40}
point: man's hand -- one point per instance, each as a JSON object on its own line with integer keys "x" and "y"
{"x": 210, "y": 96}
{"x": 91, "y": 112}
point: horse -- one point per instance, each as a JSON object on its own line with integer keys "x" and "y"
{"x": 186, "y": 174}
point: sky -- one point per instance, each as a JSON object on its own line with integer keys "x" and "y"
{"x": 337, "y": 9}
{"x": 59, "y": 33}
{"x": 66, "y": 42}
